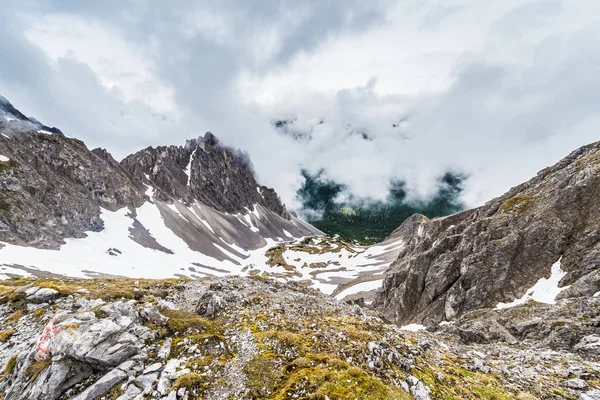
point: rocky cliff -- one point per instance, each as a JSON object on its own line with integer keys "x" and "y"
{"x": 548, "y": 227}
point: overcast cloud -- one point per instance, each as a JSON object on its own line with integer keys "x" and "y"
{"x": 495, "y": 90}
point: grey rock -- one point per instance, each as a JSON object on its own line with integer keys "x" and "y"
{"x": 43, "y": 295}
{"x": 417, "y": 389}
{"x": 165, "y": 349}
{"x": 50, "y": 383}
{"x": 146, "y": 381}
{"x": 221, "y": 177}
{"x": 149, "y": 313}
{"x": 589, "y": 345}
{"x": 171, "y": 396}
{"x": 575, "y": 383}
{"x": 130, "y": 393}
{"x": 495, "y": 253}
{"x": 54, "y": 188}
{"x": 153, "y": 368}
{"x": 103, "y": 343}
{"x": 210, "y": 304}
{"x": 102, "y": 385}
{"x": 591, "y": 395}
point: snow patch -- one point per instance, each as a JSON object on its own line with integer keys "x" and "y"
{"x": 188, "y": 169}
{"x": 360, "y": 287}
{"x": 44, "y": 132}
{"x": 4, "y": 158}
{"x": 544, "y": 291}
{"x": 413, "y": 327}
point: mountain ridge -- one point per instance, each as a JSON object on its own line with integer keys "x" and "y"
{"x": 493, "y": 254}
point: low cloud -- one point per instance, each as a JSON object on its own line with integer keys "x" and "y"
{"x": 377, "y": 91}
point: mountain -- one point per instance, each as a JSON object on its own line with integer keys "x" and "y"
{"x": 367, "y": 220}
{"x": 173, "y": 210}
{"x": 540, "y": 240}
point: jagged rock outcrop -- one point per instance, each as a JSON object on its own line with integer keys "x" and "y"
{"x": 204, "y": 170}
{"x": 495, "y": 253}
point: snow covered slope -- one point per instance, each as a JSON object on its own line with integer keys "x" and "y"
{"x": 159, "y": 240}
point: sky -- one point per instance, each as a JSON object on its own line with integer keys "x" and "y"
{"x": 494, "y": 90}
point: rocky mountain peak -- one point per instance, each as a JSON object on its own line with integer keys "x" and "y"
{"x": 204, "y": 170}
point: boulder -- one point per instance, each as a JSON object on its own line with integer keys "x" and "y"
{"x": 149, "y": 313}
{"x": 41, "y": 295}
{"x": 102, "y": 385}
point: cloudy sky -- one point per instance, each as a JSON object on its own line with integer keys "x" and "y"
{"x": 493, "y": 89}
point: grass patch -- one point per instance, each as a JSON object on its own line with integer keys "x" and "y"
{"x": 107, "y": 289}
{"x": 322, "y": 375}
{"x": 36, "y": 368}
{"x": 183, "y": 321}
{"x": 262, "y": 376}
{"x": 114, "y": 393}
{"x": 5, "y": 335}
{"x": 14, "y": 317}
{"x": 10, "y": 365}
{"x": 193, "y": 382}
{"x": 518, "y": 204}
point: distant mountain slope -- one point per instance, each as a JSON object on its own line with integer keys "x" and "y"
{"x": 548, "y": 227}
{"x": 370, "y": 221}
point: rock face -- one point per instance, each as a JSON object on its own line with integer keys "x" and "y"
{"x": 204, "y": 170}
{"x": 481, "y": 257}
{"x": 53, "y": 187}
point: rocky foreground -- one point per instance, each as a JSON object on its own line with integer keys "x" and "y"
{"x": 253, "y": 338}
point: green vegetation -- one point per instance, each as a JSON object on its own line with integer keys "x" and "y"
{"x": 262, "y": 376}
{"x": 519, "y": 204}
{"x": 5, "y": 335}
{"x": 369, "y": 221}
{"x": 39, "y": 313}
{"x": 107, "y": 289}
{"x": 321, "y": 376}
{"x": 10, "y": 365}
{"x": 193, "y": 382}
{"x": 183, "y": 321}
{"x": 114, "y": 393}
{"x": 14, "y": 317}
{"x": 34, "y": 369}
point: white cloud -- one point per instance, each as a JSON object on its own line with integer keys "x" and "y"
{"x": 497, "y": 90}
{"x": 118, "y": 64}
